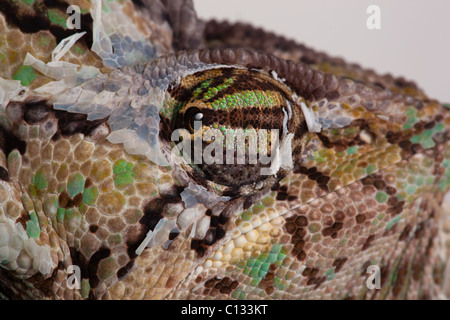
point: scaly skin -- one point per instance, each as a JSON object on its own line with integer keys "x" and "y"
{"x": 87, "y": 167}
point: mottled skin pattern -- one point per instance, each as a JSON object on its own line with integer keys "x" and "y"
{"x": 366, "y": 188}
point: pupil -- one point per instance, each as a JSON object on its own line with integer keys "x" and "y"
{"x": 193, "y": 114}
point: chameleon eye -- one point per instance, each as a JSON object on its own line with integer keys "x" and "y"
{"x": 242, "y": 127}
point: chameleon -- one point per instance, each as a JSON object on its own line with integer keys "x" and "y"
{"x": 104, "y": 107}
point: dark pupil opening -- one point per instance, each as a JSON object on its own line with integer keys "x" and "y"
{"x": 191, "y": 115}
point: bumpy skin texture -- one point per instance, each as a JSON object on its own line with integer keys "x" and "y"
{"x": 83, "y": 177}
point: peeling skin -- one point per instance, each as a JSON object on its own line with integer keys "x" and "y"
{"x": 10, "y": 89}
{"x": 194, "y": 194}
{"x": 55, "y": 69}
{"x": 158, "y": 236}
{"x": 310, "y": 118}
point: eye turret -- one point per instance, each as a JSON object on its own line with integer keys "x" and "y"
{"x": 241, "y": 126}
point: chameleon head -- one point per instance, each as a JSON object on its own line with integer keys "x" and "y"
{"x": 87, "y": 180}
{"x": 238, "y": 128}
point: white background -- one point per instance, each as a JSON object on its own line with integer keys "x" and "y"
{"x": 414, "y": 40}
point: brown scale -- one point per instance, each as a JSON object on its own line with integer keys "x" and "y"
{"x": 215, "y": 232}
{"x": 368, "y": 242}
{"x": 338, "y": 263}
{"x": 267, "y": 283}
{"x": 312, "y": 277}
{"x": 215, "y": 286}
{"x": 312, "y": 174}
{"x": 296, "y": 227}
{"x": 395, "y": 205}
{"x": 4, "y": 174}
